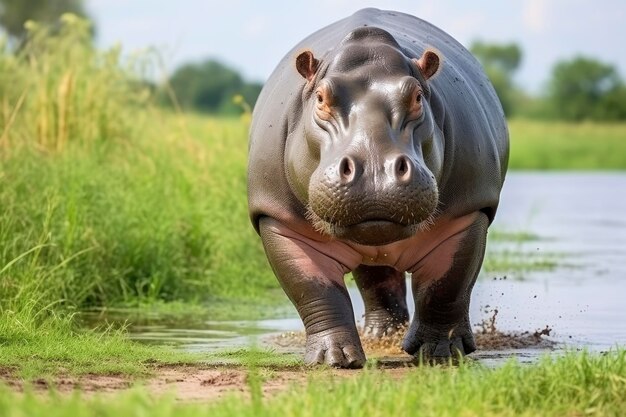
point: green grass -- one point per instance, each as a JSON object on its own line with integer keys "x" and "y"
{"x": 156, "y": 226}
{"x": 156, "y": 221}
{"x": 572, "y": 385}
{"x": 31, "y": 349}
{"x": 544, "y": 145}
{"x": 518, "y": 264}
{"x": 115, "y": 203}
{"x": 509, "y": 253}
{"x": 510, "y": 236}
{"x": 255, "y": 357}
{"x": 108, "y": 201}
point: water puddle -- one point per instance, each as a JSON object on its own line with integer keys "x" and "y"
{"x": 577, "y": 220}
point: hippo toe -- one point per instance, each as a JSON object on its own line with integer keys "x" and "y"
{"x": 337, "y": 349}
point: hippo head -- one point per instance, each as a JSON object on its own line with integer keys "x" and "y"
{"x": 368, "y": 165}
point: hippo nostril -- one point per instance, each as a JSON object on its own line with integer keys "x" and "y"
{"x": 347, "y": 169}
{"x": 402, "y": 169}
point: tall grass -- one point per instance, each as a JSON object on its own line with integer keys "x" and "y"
{"x": 106, "y": 200}
{"x": 58, "y": 88}
{"x": 163, "y": 220}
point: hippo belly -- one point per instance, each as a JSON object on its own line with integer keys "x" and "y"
{"x": 377, "y": 147}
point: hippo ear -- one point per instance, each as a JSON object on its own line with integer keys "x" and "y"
{"x": 428, "y": 64}
{"x": 307, "y": 65}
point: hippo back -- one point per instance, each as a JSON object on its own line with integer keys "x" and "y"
{"x": 465, "y": 108}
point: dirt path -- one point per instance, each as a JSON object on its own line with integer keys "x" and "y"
{"x": 186, "y": 382}
{"x": 201, "y": 382}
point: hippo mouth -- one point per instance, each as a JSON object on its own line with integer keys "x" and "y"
{"x": 371, "y": 220}
{"x": 374, "y": 232}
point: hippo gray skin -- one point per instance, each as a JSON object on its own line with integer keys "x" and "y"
{"x": 378, "y": 147}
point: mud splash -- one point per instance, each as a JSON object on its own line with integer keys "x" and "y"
{"x": 489, "y": 337}
{"x": 486, "y": 334}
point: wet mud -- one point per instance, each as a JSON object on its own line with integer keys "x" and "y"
{"x": 486, "y": 334}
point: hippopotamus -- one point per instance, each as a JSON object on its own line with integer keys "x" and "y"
{"x": 378, "y": 147}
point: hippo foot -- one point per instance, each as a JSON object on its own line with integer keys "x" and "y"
{"x": 382, "y": 323}
{"x": 339, "y": 349}
{"x": 439, "y": 341}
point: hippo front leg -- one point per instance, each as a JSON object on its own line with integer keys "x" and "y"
{"x": 314, "y": 283}
{"x": 442, "y": 286}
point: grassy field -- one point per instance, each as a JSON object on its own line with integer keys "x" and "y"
{"x": 573, "y": 385}
{"x": 541, "y": 145}
{"x": 108, "y": 201}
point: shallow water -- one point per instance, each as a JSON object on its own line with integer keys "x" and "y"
{"x": 580, "y": 217}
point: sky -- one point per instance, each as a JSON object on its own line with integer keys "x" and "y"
{"x": 252, "y": 36}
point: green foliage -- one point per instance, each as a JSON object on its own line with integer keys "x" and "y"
{"x": 584, "y": 88}
{"x": 500, "y": 62}
{"x": 106, "y": 200}
{"x": 503, "y": 57}
{"x": 579, "y": 89}
{"x": 162, "y": 218}
{"x": 210, "y": 87}
{"x": 15, "y": 13}
{"x": 544, "y": 145}
{"x": 58, "y": 88}
{"x": 532, "y": 107}
{"x": 503, "y": 85}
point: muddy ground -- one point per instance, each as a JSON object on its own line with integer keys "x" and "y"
{"x": 187, "y": 382}
{"x": 203, "y": 382}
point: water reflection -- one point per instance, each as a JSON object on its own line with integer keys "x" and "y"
{"x": 581, "y": 216}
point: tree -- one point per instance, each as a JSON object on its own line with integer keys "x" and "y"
{"x": 505, "y": 58}
{"x": 14, "y": 13}
{"x": 613, "y": 105}
{"x": 500, "y": 62}
{"x": 585, "y": 88}
{"x": 210, "y": 86}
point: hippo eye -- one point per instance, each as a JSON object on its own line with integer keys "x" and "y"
{"x": 413, "y": 101}
{"x": 320, "y": 98}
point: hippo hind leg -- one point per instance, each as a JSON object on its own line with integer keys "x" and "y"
{"x": 441, "y": 326}
{"x": 384, "y": 294}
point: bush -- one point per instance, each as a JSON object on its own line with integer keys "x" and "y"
{"x": 106, "y": 199}
{"x": 57, "y": 87}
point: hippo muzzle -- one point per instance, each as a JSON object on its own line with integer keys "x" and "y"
{"x": 369, "y": 202}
